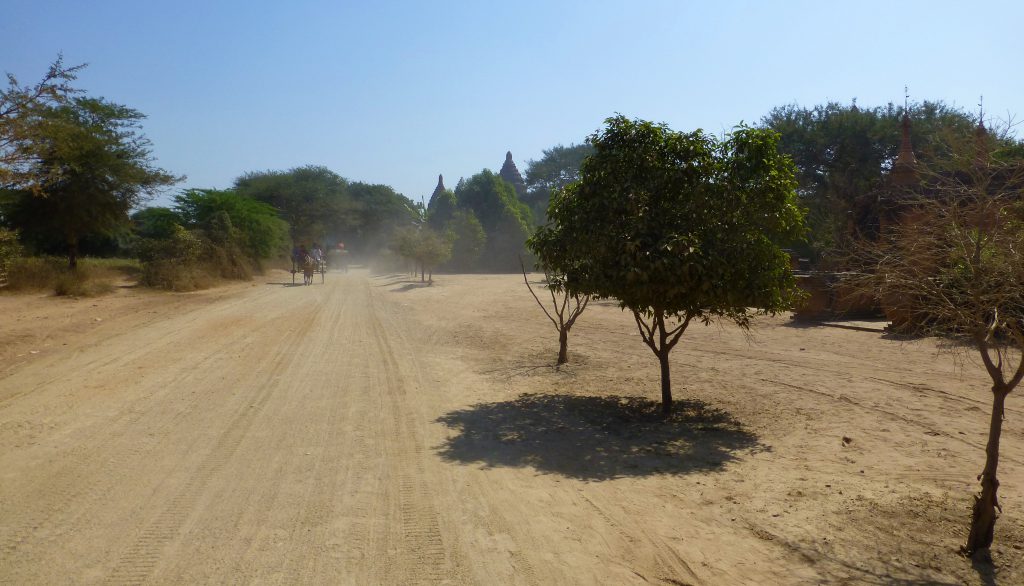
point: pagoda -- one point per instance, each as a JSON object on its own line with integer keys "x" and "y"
{"x": 509, "y": 172}
{"x": 437, "y": 190}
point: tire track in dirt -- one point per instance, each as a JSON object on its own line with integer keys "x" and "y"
{"x": 425, "y": 556}
{"x": 329, "y": 490}
{"x": 86, "y": 473}
{"x": 139, "y": 560}
{"x": 930, "y": 430}
{"x": 668, "y": 562}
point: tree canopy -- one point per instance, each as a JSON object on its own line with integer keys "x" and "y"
{"x": 558, "y": 166}
{"x": 504, "y": 218}
{"x": 22, "y": 121}
{"x": 97, "y": 165}
{"x": 260, "y": 233}
{"x": 844, "y": 152}
{"x": 320, "y": 205}
{"x": 676, "y": 226}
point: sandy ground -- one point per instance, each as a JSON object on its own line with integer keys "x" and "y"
{"x": 373, "y": 431}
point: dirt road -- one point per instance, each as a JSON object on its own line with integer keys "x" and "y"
{"x": 372, "y": 431}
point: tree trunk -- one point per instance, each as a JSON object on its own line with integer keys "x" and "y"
{"x": 983, "y": 518}
{"x": 666, "y": 383}
{"x": 563, "y": 345}
{"x": 423, "y": 273}
{"x": 72, "y": 252}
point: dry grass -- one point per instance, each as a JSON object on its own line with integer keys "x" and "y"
{"x": 93, "y": 277}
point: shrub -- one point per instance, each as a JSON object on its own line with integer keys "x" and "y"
{"x": 9, "y": 250}
{"x": 171, "y": 263}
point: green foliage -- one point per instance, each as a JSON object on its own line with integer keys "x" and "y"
{"x": 468, "y": 240}
{"x": 10, "y": 249}
{"x": 676, "y": 225}
{"x": 504, "y": 218}
{"x": 227, "y": 217}
{"x": 378, "y": 211}
{"x": 171, "y": 263}
{"x": 441, "y": 209}
{"x": 100, "y": 168}
{"x": 558, "y": 166}
{"x": 843, "y": 153}
{"x": 308, "y": 198}
{"x": 22, "y": 114}
{"x": 156, "y": 222}
{"x": 681, "y": 223}
{"x": 423, "y": 246}
{"x": 321, "y": 206}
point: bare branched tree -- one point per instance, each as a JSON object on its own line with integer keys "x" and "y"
{"x": 951, "y": 263}
{"x": 565, "y": 313}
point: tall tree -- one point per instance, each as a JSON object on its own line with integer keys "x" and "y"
{"x": 844, "y": 152}
{"x": 259, "y": 232}
{"x": 22, "y": 114}
{"x": 677, "y": 227}
{"x": 557, "y": 167}
{"x": 425, "y": 247}
{"x": 312, "y": 199}
{"x": 468, "y": 240}
{"x": 320, "y": 205}
{"x": 504, "y": 218}
{"x": 97, "y": 167}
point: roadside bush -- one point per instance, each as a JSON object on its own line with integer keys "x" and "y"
{"x": 172, "y": 263}
{"x": 9, "y": 250}
{"x": 223, "y": 255}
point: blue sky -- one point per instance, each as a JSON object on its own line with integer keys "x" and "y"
{"x": 397, "y": 92}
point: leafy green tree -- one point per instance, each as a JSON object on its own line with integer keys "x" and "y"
{"x": 156, "y": 222}
{"x": 255, "y": 227}
{"x": 424, "y": 247}
{"x": 312, "y": 200}
{"x": 504, "y": 218}
{"x": 320, "y": 205}
{"x": 558, "y": 166}
{"x": 441, "y": 209}
{"x": 22, "y": 117}
{"x": 170, "y": 262}
{"x": 677, "y": 227}
{"x": 379, "y": 210}
{"x": 468, "y": 240}
{"x": 843, "y": 153}
{"x": 97, "y": 168}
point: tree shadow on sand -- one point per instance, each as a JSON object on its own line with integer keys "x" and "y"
{"x": 595, "y": 438}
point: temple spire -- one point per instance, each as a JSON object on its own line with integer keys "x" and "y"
{"x": 981, "y": 137}
{"x": 509, "y": 172}
{"x": 438, "y": 190}
{"x": 904, "y": 169}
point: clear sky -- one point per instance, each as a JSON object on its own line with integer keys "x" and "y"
{"x": 397, "y": 92}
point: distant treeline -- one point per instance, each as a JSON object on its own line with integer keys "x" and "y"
{"x": 74, "y": 171}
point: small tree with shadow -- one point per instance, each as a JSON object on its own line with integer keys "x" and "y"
{"x": 565, "y": 313}
{"x": 953, "y": 266}
{"x": 677, "y": 227}
{"x": 426, "y": 248}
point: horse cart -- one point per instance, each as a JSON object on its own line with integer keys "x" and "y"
{"x": 309, "y": 267}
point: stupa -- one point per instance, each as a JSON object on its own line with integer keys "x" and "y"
{"x": 509, "y": 172}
